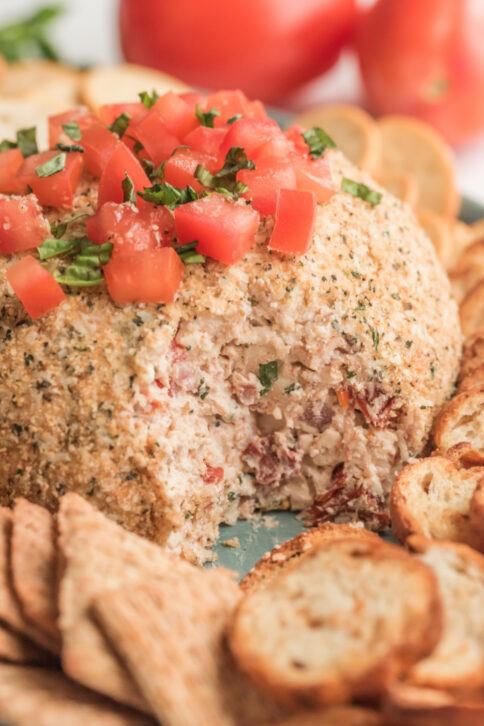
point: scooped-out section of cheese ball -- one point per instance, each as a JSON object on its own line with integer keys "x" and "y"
{"x": 277, "y": 382}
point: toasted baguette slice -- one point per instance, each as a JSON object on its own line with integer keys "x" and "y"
{"x": 17, "y": 649}
{"x": 338, "y": 623}
{"x": 401, "y": 185}
{"x": 472, "y": 353}
{"x": 335, "y": 716}
{"x": 439, "y": 231}
{"x": 123, "y": 82}
{"x": 471, "y": 310}
{"x": 458, "y": 659}
{"x": 469, "y": 269}
{"x": 271, "y": 563}
{"x": 461, "y": 420}
{"x": 477, "y": 509}
{"x": 432, "y": 498}
{"x": 472, "y": 381}
{"x": 407, "y": 705}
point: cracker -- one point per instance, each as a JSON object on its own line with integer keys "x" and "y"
{"x": 461, "y": 420}
{"x": 408, "y": 705}
{"x": 16, "y": 649}
{"x": 439, "y": 231}
{"x": 337, "y": 716}
{"x": 47, "y": 698}
{"x": 401, "y": 185}
{"x": 34, "y": 565}
{"x": 471, "y": 310}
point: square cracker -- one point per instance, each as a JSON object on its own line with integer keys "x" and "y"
{"x": 34, "y": 565}
{"x": 47, "y": 698}
{"x": 10, "y": 610}
{"x": 172, "y": 639}
{"x": 97, "y": 556}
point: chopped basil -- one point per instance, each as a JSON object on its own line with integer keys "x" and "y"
{"x": 225, "y": 180}
{"x": 350, "y": 374}
{"x": 318, "y": 141}
{"x": 206, "y": 118}
{"x": 7, "y": 145}
{"x": 147, "y": 100}
{"x": 51, "y": 247}
{"x": 69, "y": 147}
{"x": 27, "y": 141}
{"x": 72, "y": 130}
{"x": 188, "y": 253}
{"x": 292, "y": 387}
{"x": 268, "y": 375}
{"x": 138, "y": 146}
{"x": 168, "y": 195}
{"x": 203, "y": 389}
{"x": 58, "y": 229}
{"x": 27, "y": 38}
{"x": 375, "y": 336}
{"x": 85, "y": 269}
{"x": 52, "y": 166}
{"x": 235, "y": 118}
{"x": 357, "y": 189}
{"x": 127, "y": 185}
{"x": 120, "y": 124}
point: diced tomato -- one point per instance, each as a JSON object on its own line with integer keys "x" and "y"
{"x": 137, "y": 273}
{"x": 207, "y": 140}
{"x": 22, "y": 224}
{"x": 294, "y": 221}
{"x": 58, "y": 189}
{"x": 180, "y": 167}
{"x": 57, "y": 134}
{"x": 35, "y": 286}
{"x": 212, "y": 474}
{"x": 121, "y": 162}
{"x": 148, "y": 226}
{"x": 98, "y": 143}
{"x": 178, "y": 116}
{"x": 315, "y": 176}
{"x": 265, "y": 181}
{"x": 255, "y": 109}
{"x": 193, "y": 99}
{"x": 111, "y": 111}
{"x": 225, "y": 231}
{"x": 157, "y": 141}
{"x": 295, "y": 134}
{"x": 229, "y": 103}
{"x": 10, "y": 163}
{"x": 257, "y": 136}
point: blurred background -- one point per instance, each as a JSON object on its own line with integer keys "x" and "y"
{"x": 424, "y": 57}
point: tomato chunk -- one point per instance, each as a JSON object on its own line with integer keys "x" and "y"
{"x": 193, "y": 99}
{"x": 155, "y": 137}
{"x": 148, "y": 226}
{"x": 265, "y": 181}
{"x": 315, "y": 176}
{"x": 22, "y": 224}
{"x": 295, "y": 134}
{"x": 180, "y": 167}
{"x": 10, "y": 163}
{"x": 294, "y": 221}
{"x": 57, "y": 134}
{"x": 56, "y": 190}
{"x": 178, "y": 116}
{"x": 230, "y": 104}
{"x": 138, "y": 273}
{"x": 225, "y": 231}
{"x": 258, "y": 136}
{"x": 207, "y": 140}
{"x": 111, "y": 111}
{"x": 121, "y": 162}
{"x": 35, "y": 286}
{"x": 98, "y": 143}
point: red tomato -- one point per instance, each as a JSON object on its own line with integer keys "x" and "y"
{"x": 121, "y": 162}
{"x": 294, "y": 221}
{"x": 22, "y": 225}
{"x": 152, "y": 132}
{"x": 426, "y": 58}
{"x": 225, "y": 231}
{"x": 295, "y": 134}
{"x": 178, "y": 116}
{"x": 229, "y": 103}
{"x": 143, "y": 274}
{"x": 265, "y": 181}
{"x": 148, "y": 226}
{"x": 258, "y": 136}
{"x": 36, "y": 287}
{"x": 315, "y": 176}
{"x": 267, "y": 48}
{"x": 207, "y": 140}
{"x": 98, "y": 144}
{"x": 193, "y": 99}
{"x": 10, "y": 163}
{"x": 180, "y": 167}
{"x": 57, "y": 133}
{"x": 111, "y": 111}
{"x": 58, "y": 189}
{"x": 212, "y": 474}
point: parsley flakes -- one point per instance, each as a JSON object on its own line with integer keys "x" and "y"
{"x": 268, "y": 375}
{"x": 357, "y": 189}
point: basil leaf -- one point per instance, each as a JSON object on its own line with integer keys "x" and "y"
{"x": 235, "y": 118}
{"x": 85, "y": 270}
{"x": 147, "y": 100}
{"x": 206, "y": 118}
{"x": 52, "y": 166}
{"x": 188, "y": 253}
{"x": 357, "y": 189}
{"x": 168, "y": 195}
{"x": 268, "y": 375}
{"x": 120, "y": 124}
{"x": 68, "y": 147}
{"x": 27, "y": 38}
{"x": 72, "y": 130}
{"x": 58, "y": 229}
{"x": 127, "y": 185}
{"x": 7, "y": 145}
{"x": 54, "y": 247}
{"x": 27, "y": 141}
{"x": 318, "y": 141}
{"x": 225, "y": 180}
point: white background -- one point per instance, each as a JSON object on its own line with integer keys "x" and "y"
{"x": 88, "y": 34}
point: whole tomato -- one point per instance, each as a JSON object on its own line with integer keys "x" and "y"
{"x": 267, "y": 48}
{"x": 426, "y": 58}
